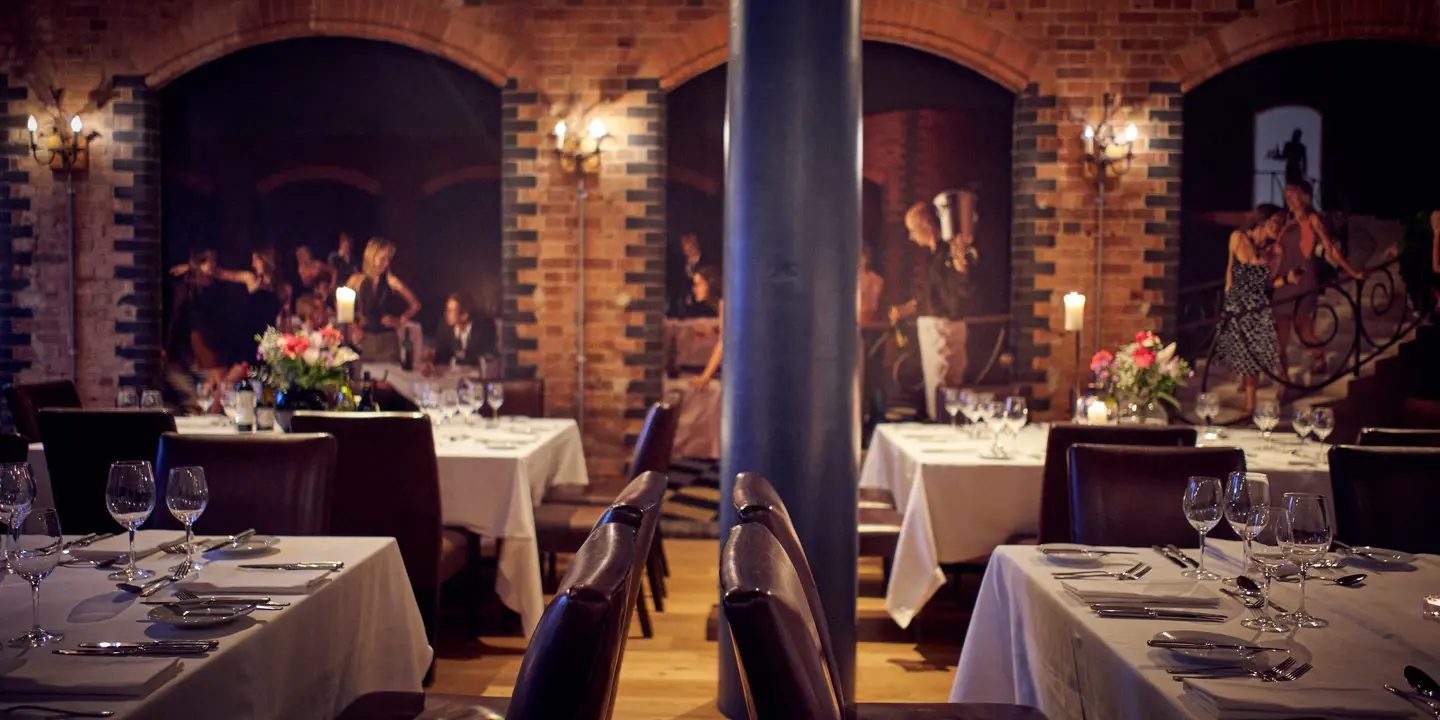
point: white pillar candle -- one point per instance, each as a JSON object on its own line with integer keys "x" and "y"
{"x": 344, "y": 305}
{"x": 1097, "y": 413}
{"x": 1074, "y": 312}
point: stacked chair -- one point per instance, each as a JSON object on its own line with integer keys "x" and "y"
{"x": 26, "y": 402}
{"x": 80, "y": 445}
{"x": 1126, "y": 495}
{"x": 777, "y": 622}
{"x": 1386, "y": 496}
{"x": 277, "y": 484}
{"x": 572, "y": 665}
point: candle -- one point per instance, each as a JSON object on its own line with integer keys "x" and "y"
{"x": 1097, "y": 413}
{"x": 1432, "y": 607}
{"x": 1074, "y": 312}
{"x": 344, "y": 305}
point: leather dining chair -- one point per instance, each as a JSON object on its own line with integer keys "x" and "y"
{"x": 1386, "y": 497}
{"x": 387, "y": 483}
{"x": 572, "y": 663}
{"x": 1399, "y": 437}
{"x": 80, "y": 445}
{"x": 1055, "y": 482}
{"x": 525, "y": 398}
{"x": 14, "y": 448}
{"x": 279, "y": 484}
{"x": 1131, "y": 495}
{"x": 26, "y": 402}
{"x": 784, "y": 665}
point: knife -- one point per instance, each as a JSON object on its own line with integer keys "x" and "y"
{"x": 233, "y": 540}
{"x": 210, "y": 644}
{"x": 124, "y": 558}
{"x": 1155, "y": 614}
{"x": 1182, "y": 556}
{"x": 215, "y": 599}
{"x": 132, "y": 651}
{"x": 1165, "y": 554}
{"x": 296, "y": 566}
{"x": 1187, "y": 645}
{"x": 87, "y": 540}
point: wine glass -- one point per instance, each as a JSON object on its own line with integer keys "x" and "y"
{"x": 1322, "y": 423}
{"x": 1302, "y": 423}
{"x": 990, "y": 415}
{"x": 127, "y": 398}
{"x": 1267, "y": 556}
{"x": 429, "y": 402}
{"x": 1202, "y": 508}
{"x": 470, "y": 397}
{"x": 151, "y": 400}
{"x": 1267, "y": 418}
{"x": 1207, "y": 406}
{"x": 130, "y": 498}
{"x": 969, "y": 402}
{"x": 36, "y": 547}
{"x": 187, "y": 495}
{"x": 1247, "y": 509}
{"x": 1305, "y": 533}
{"x": 17, "y": 494}
{"x": 449, "y": 404}
{"x": 204, "y": 397}
{"x": 495, "y": 397}
{"x": 231, "y": 405}
{"x": 952, "y": 404}
{"x": 1015, "y": 415}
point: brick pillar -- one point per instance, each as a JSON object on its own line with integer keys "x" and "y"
{"x": 519, "y": 255}
{"x": 1033, "y": 226}
{"x": 139, "y": 320}
{"x": 16, "y": 240}
{"x": 646, "y": 310}
{"x": 1162, "y": 284}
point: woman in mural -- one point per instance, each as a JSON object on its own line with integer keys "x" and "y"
{"x": 707, "y": 284}
{"x": 262, "y": 307}
{"x": 196, "y": 322}
{"x": 377, "y": 291}
{"x": 1306, "y": 243}
{"x": 1247, "y": 342}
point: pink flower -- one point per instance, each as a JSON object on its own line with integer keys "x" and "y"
{"x": 293, "y": 345}
{"x": 1101, "y": 360}
{"x": 1144, "y": 357}
{"x": 1145, "y": 338}
{"x": 331, "y": 337}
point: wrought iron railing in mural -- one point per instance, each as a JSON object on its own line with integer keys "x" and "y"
{"x": 1381, "y": 315}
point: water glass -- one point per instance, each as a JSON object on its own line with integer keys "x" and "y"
{"x": 1207, "y": 406}
{"x": 1322, "y": 423}
{"x": 1247, "y": 509}
{"x": 151, "y": 400}
{"x": 990, "y": 414}
{"x": 495, "y": 397}
{"x": 1305, "y": 533}
{"x": 951, "y": 397}
{"x": 127, "y": 398}
{"x": 1202, "y": 504}
{"x": 186, "y": 496}
{"x": 1015, "y": 415}
{"x": 1267, "y": 556}
{"x": 1303, "y": 422}
{"x": 1267, "y": 418}
{"x": 969, "y": 407}
{"x": 130, "y": 498}
{"x": 17, "y": 494}
{"x": 36, "y": 547}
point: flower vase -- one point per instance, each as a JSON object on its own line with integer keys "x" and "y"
{"x": 297, "y": 398}
{"x": 1141, "y": 410}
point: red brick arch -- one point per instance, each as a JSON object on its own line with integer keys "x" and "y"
{"x": 952, "y": 34}
{"x": 1304, "y": 23}
{"x": 216, "y": 29}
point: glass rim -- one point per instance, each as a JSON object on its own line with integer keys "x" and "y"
{"x": 186, "y": 467}
{"x": 1304, "y": 495}
{"x": 130, "y": 463}
{"x": 23, "y": 463}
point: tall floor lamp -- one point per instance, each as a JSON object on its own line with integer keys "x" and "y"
{"x": 1108, "y": 152}
{"x": 580, "y": 155}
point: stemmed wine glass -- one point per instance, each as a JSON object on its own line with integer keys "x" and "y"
{"x": 1305, "y": 533}
{"x": 969, "y": 404}
{"x": 1322, "y": 423}
{"x": 1267, "y": 418}
{"x": 1267, "y": 555}
{"x": 204, "y": 397}
{"x": 1247, "y": 509}
{"x": 1014, "y": 415}
{"x": 1202, "y": 508}
{"x": 988, "y": 414}
{"x": 1303, "y": 423}
{"x": 151, "y": 400}
{"x": 470, "y": 398}
{"x": 429, "y": 402}
{"x": 1207, "y": 406}
{"x": 952, "y": 405}
{"x": 449, "y": 404}
{"x": 127, "y": 398}
{"x": 495, "y": 397}
{"x": 17, "y": 494}
{"x": 36, "y": 547}
{"x": 187, "y": 495}
{"x": 231, "y": 404}
{"x": 130, "y": 498}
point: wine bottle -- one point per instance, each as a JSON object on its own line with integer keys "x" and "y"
{"x": 265, "y": 410}
{"x": 367, "y": 395}
{"x": 244, "y": 406}
{"x": 407, "y": 352}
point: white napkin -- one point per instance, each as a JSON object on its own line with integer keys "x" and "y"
{"x": 216, "y": 578}
{"x": 1246, "y": 699}
{"x": 1139, "y": 592}
{"x": 145, "y": 541}
{"x": 41, "y": 673}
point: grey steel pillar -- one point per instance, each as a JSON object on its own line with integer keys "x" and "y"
{"x": 792, "y": 250}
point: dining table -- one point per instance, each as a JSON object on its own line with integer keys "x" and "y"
{"x": 1033, "y": 641}
{"x": 328, "y": 637}
{"x": 492, "y": 477}
{"x": 959, "y": 501}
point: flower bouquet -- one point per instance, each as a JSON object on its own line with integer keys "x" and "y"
{"x": 302, "y": 367}
{"x": 1141, "y": 375}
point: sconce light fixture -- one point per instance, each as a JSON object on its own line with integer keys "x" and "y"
{"x": 63, "y": 151}
{"x": 1109, "y": 148}
{"x": 580, "y": 153}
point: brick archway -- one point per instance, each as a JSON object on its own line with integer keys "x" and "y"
{"x": 1303, "y": 23}
{"x": 952, "y": 34}
{"x": 221, "y": 28}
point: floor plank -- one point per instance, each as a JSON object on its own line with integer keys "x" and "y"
{"x": 673, "y": 674}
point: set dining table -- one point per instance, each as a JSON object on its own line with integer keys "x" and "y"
{"x": 492, "y": 477}
{"x": 959, "y": 501}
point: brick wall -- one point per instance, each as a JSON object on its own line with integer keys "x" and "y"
{"x": 575, "y": 58}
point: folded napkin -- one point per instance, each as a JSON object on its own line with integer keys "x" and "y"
{"x": 1139, "y": 592}
{"x": 217, "y": 578}
{"x": 145, "y": 541}
{"x": 41, "y": 673}
{"x": 1246, "y": 699}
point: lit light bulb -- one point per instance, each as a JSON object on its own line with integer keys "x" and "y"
{"x": 75, "y": 125}
{"x": 1089, "y": 133}
{"x": 1131, "y": 133}
{"x": 597, "y": 129}
{"x": 32, "y": 124}
{"x": 560, "y": 130}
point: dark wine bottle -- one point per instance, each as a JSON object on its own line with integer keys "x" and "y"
{"x": 367, "y": 395}
{"x": 407, "y": 352}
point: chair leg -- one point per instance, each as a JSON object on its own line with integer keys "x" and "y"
{"x": 550, "y": 570}
{"x": 641, "y": 607}
{"x": 660, "y": 544}
{"x": 657, "y": 579}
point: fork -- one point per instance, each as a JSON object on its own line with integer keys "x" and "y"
{"x": 1137, "y": 571}
{"x": 191, "y": 595}
{"x": 59, "y": 712}
{"x": 1284, "y": 672}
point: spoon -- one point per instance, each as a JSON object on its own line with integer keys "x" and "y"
{"x": 1343, "y": 581}
{"x": 1423, "y": 684}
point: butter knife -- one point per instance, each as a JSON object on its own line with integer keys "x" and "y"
{"x": 296, "y": 566}
{"x": 1182, "y": 556}
{"x": 124, "y": 558}
{"x": 132, "y": 651}
{"x": 1166, "y": 554}
{"x": 1154, "y": 614}
{"x": 210, "y": 644}
{"x": 1185, "y": 645}
{"x": 233, "y": 540}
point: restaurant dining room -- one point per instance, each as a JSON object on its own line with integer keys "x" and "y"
{"x": 746, "y": 359}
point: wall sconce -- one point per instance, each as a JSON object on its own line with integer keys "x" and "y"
{"x": 1109, "y": 149}
{"x": 64, "y": 152}
{"x": 580, "y": 153}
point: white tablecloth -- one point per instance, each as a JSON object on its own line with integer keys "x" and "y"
{"x": 359, "y": 632}
{"x": 697, "y": 434}
{"x": 1029, "y": 642}
{"x": 958, "y": 505}
{"x": 491, "y": 492}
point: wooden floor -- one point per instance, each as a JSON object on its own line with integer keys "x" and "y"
{"x": 673, "y": 674}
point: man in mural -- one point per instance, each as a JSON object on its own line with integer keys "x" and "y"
{"x": 945, "y": 229}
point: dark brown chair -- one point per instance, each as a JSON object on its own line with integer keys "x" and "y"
{"x": 1055, "y": 483}
{"x": 277, "y": 484}
{"x": 387, "y": 483}
{"x": 1131, "y": 495}
{"x": 80, "y": 445}
{"x": 1386, "y": 497}
{"x": 784, "y": 666}
{"x": 1399, "y": 437}
{"x": 14, "y": 448}
{"x": 573, "y": 660}
{"x": 26, "y": 402}
{"x": 525, "y": 398}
